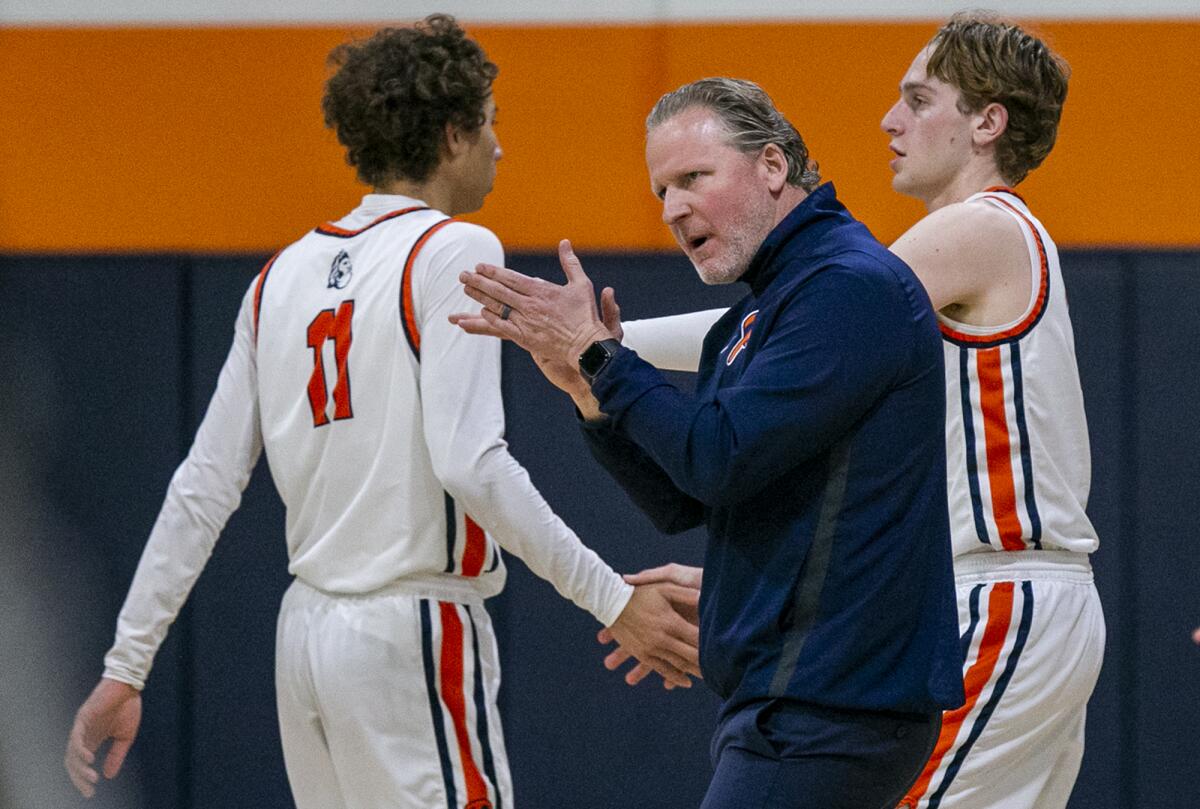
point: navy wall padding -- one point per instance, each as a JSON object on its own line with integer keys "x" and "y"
{"x": 112, "y": 359}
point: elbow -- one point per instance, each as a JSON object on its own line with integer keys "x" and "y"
{"x": 725, "y": 486}
{"x": 459, "y": 478}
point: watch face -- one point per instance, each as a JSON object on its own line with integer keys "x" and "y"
{"x": 596, "y": 356}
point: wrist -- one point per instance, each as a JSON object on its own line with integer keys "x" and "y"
{"x": 594, "y": 333}
{"x": 596, "y": 357}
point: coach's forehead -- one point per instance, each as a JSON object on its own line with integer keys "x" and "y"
{"x": 696, "y": 123}
{"x": 695, "y": 133}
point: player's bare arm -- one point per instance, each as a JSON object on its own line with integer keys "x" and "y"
{"x": 967, "y": 281}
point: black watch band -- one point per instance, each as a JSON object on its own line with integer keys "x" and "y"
{"x": 595, "y": 357}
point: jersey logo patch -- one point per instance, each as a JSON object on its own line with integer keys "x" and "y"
{"x": 743, "y": 337}
{"x": 340, "y": 271}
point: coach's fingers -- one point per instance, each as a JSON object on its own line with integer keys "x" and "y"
{"x": 475, "y": 324}
{"x": 571, "y": 265}
{"x": 610, "y": 312}
{"x": 683, "y": 575}
{"x": 669, "y": 671}
{"x": 686, "y": 602}
{"x": 516, "y": 283}
{"x": 490, "y": 295}
{"x": 684, "y": 658}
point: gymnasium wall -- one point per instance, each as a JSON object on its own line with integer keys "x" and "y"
{"x": 139, "y": 134}
{"x": 114, "y": 361}
{"x": 152, "y": 155}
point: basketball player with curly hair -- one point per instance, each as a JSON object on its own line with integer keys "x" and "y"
{"x": 384, "y": 430}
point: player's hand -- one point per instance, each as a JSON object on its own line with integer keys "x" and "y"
{"x": 689, "y": 608}
{"x": 653, "y": 629}
{"x": 112, "y": 711}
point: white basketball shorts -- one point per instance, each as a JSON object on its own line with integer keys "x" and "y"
{"x": 1032, "y": 634}
{"x": 389, "y": 700}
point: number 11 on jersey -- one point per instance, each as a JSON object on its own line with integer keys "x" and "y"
{"x": 328, "y": 325}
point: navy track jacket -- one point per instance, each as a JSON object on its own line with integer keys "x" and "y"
{"x": 814, "y": 450}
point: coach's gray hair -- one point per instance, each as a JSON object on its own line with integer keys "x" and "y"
{"x": 750, "y": 117}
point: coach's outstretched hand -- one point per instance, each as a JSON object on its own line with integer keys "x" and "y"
{"x": 685, "y": 582}
{"x": 652, "y": 628}
{"x": 554, "y": 321}
{"x": 112, "y": 711}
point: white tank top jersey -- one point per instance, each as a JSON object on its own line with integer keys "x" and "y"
{"x": 383, "y": 427}
{"x": 1016, "y": 435}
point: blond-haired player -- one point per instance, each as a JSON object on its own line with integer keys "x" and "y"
{"x": 978, "y": 110}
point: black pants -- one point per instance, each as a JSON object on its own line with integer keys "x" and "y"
{"x": 782, "y": 754}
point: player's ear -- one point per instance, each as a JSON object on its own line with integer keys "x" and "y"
{"x": 455, "y": 140}
{"x": 991, "y": 122}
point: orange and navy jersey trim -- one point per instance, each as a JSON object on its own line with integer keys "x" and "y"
{"x": 986, "y": 679}
{"x": 330, "y": 229}
{"x": 1018, "y": 330}
{"x": 998, "y": 452}
{"x": 446, "y": 686}
{"x": 475, "y": 548}
{"x": 258, "y": 290}
{"x": 408, "y": 312}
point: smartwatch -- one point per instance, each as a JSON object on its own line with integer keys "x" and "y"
{"x": 596, "y": 357}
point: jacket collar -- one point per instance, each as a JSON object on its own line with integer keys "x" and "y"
{"x": 801, "y": 235}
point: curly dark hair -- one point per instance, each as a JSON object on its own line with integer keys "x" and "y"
{"x": 990, "y": 60}
{"x": 392, "y": 95}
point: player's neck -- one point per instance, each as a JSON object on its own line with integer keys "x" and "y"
{"x": 434, "y": 192}
{"x": 973, "y": 178}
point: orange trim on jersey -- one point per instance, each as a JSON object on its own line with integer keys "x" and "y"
{"x": 408, "y": 312}
{"x": 258, "y": 291}
{"x": 452, "y": 696}
{"x": 999, "y": 449}
{"x": 330, "y": 229}
{"x": 1000, "y": 606}
{"x": 475, "y": 550}
{"x": 1039, "y": 305}
{"x": 1002, "y": 189}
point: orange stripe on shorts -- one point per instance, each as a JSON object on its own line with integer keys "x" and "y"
{"x": 452, "y": 696}
{"x": 1000, "y": 606}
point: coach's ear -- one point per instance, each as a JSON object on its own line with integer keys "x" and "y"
{"x": 773, "y": 167}
{"x": 990, "y": 123}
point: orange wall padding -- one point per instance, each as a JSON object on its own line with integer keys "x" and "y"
{"x": 211, "y": 139}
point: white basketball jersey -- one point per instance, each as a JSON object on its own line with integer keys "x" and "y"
{"x": 1017, "y": 444}
{"x": 383, "y": 426}
{"x": 338, "y": 330}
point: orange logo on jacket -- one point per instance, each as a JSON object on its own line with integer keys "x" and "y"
{"x": 747, "y": 322}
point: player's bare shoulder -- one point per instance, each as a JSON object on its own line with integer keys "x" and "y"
{"x": 972, "y": 259}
